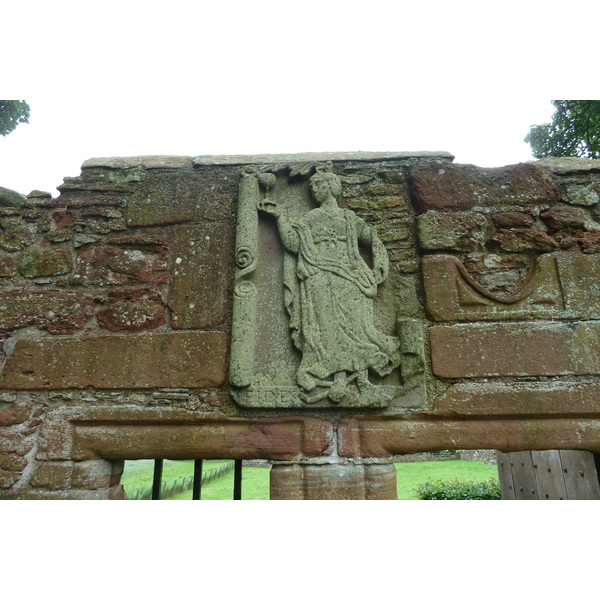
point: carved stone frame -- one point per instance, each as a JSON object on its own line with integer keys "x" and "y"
{"x": 408, "y": 392}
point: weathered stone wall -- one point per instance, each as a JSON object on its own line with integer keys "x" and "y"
{"x": 115, "y": 321}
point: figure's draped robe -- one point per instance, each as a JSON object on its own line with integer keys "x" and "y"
{"x": 329, "y": 297}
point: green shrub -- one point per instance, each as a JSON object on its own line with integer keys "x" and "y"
{"x": 460, "y": 490}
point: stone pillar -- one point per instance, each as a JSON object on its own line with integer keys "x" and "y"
{"x": 306, "y": 481}
{"x": 75, "y": 480}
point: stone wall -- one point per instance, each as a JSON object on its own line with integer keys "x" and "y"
{"x": 116, "y": 317}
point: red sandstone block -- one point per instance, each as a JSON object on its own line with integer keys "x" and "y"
{"x": 63, "y": 219}
{"x": 56, "y": 311}
{"x": 8, "y": 478}
{"x": 333, "y": 482}
{"x": 452, "y": 294}
{"x": 52, "y": 476}
{"x": 134, "y": 309}
{"x": 173, "y": 359}
{"x": 63, "y": 475}
{"x": 522, "y": 240}
{"x": 12, "y": 442}
{"x": 111, "y": 266}
{"x": 589, "y": 241}
{"x": 11, "y": 462}
{"x": 199, "y": 275}
{"x": 454, "y": 187}
{"x": 515, "y": 349}
{"x": 532, "y": 399}
{"x": 15, "y": 414}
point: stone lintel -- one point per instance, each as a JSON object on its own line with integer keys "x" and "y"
{"x": 377, "y": 438}
{"x": 129, "y": 434}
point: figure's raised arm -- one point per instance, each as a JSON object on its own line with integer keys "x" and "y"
{"x": 288, "y": 235}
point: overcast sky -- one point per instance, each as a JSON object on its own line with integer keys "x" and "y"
{"x": 130, "y": 78}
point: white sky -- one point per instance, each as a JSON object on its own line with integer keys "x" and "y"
{"x": 125, "y": 78}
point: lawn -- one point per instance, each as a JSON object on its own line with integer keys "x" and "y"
{"x": 411, "y": 475}
{"x": 255, "y": 480}
{"x": 139, "y": 473}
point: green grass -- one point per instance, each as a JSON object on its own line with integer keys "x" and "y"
{"x": 255, "y": 480}
{"x": 411, "y": 475}
{"x": 255, "y": 486}
{"x": 139, "y": 473}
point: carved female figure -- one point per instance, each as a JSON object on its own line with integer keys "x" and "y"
{"x": 329, "y": 295}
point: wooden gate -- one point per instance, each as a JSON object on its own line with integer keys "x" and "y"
{"x": 548, "y": 475}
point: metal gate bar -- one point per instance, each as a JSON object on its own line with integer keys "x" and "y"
{"x": 157, "y": 480}
{"x": 237, "y": 480}
{"x": 197, "y": 488}
{"x": 197, "y": 482}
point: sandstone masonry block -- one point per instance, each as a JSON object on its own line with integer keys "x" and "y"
{"x": 14, "y": 414}
{"x": 459, "y": 231}
{"x": 333, "y": 482}
{"x": 522, "y": 240}
{"x": 62, "y": 475}
{"x": 202, "y": 194}
{"x": 111, "y": 266}
{"x": 56, "y": 311}
{"x": 134, "y": 309}
{"x": 282, "y": 438}
{"x": 200, "y": 275}
{"x": 562, "y": 216}
{"x": 45, "y": 263}
{"x": 185, "y": 359}
{"x": 15, "y": 234}
{"x": 582, "y": 195}
{"x": 512, "y": 219}
{"x": 453, "y": 187}
{"x": 515, "y": 349}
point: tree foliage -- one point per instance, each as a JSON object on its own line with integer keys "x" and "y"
{"x": 574, "y": 131}
{"x": 12, "y": 112}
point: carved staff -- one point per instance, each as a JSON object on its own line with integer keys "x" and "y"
{"x": 245, "y": 295}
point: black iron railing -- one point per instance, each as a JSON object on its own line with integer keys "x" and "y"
{"x": 197, "y": 483}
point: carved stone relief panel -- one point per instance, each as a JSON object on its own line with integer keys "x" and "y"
{"x": 310, "y": 327}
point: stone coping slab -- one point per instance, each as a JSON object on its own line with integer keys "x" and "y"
{"x": 180, "y": 162}
{"x": 317, "y": 157}
{"x": 145, "y": 162}
{"x": 567, "y": 165}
